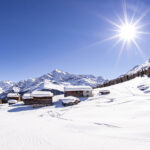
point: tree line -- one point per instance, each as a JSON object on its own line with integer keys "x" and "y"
{"x": 124, "y": 78}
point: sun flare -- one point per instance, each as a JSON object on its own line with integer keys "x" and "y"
{"x": 128, "y": 32}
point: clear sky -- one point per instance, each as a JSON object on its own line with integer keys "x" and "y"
{"x": 37, "y": 36}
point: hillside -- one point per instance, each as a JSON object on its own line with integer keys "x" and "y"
{"x": 141, "y": 67}
{"x": 137, "y": 71}
{"x": 118, "y": 121}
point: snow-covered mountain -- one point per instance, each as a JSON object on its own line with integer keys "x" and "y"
{"x": 5, "y": 85}
{"x": 55, "y": 80}
{"x": 137, "y": 68}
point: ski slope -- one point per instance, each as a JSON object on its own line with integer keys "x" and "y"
{"x": 118, "y": 121}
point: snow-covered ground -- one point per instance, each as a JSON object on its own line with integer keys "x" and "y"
{"x": 118, "y": 121}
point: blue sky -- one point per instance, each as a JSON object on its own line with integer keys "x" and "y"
{"x": 37, "y": 36}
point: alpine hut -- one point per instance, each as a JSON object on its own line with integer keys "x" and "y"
{"x": 70, "y": 100}
{"x": 42, "y": 97}
{"x": 14, "y": 96}
{"x": 104, "y": 92}
{"x": 78, "y": 91}
{"x": 28, "y": 99}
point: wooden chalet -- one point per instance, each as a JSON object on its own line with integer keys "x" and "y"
{"x": 42, "y": 97}
{"x": 38, "y": 97}
{"x": 78, "y": 91}
{"x": 28, "y": 99}
{"x": 14, "y": 96}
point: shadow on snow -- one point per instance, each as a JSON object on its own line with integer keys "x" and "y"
{"x": 20, "y": 107}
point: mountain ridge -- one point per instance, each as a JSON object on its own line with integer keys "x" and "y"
{"x": 141, "y": 67}
{"x": 54, "y": 80}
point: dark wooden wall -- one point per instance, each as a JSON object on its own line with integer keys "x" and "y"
{"x": 73, "y": 93}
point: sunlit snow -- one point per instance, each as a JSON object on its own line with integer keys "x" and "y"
{"x": 117, "y": 121}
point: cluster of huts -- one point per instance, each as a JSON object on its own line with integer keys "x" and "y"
{"x": 45, "y": 98}
{"x": 35, "y": 98}
{"x": 124, "y": 78}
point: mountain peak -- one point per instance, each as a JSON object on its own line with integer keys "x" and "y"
{"x": 57, "y": 70}
{"x": 137, "y": 68}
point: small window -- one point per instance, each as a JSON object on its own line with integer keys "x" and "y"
{"x": 87, "y": 91}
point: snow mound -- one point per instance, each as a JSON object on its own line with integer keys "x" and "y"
{"x": 69, "y": 99}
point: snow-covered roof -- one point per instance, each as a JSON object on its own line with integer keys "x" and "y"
{"x": 77, "y": 88}
{"x": 69, "y": 99}
{"x": 41, "y": 94}
{"x": 27, "y": 96}
{"x": 49, "y": 85}
{"x": 12, "y": 95}
{"x": 12, "y": 101}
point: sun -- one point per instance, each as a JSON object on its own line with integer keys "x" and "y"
{"x": 127, "y": 32}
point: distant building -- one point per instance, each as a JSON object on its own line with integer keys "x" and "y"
{"x": 38, "y": 97}
{"x": 27, "y": 99}
{"x": 13, "y": 96}
{"x": 70, "y": 100}
{"x": 78, "y": 91}
{"x": 12, "y": 101}
{"x": 104, "y": 92}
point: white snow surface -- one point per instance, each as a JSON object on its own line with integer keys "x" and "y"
{"x": 77, "y": 88}
{"x": 118, "y": 121}
{"x": 41, "y": 94}
{"x": 49, "y": 85}
{"x": 69, "y": 99}
{"x": 1, "y": 90}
